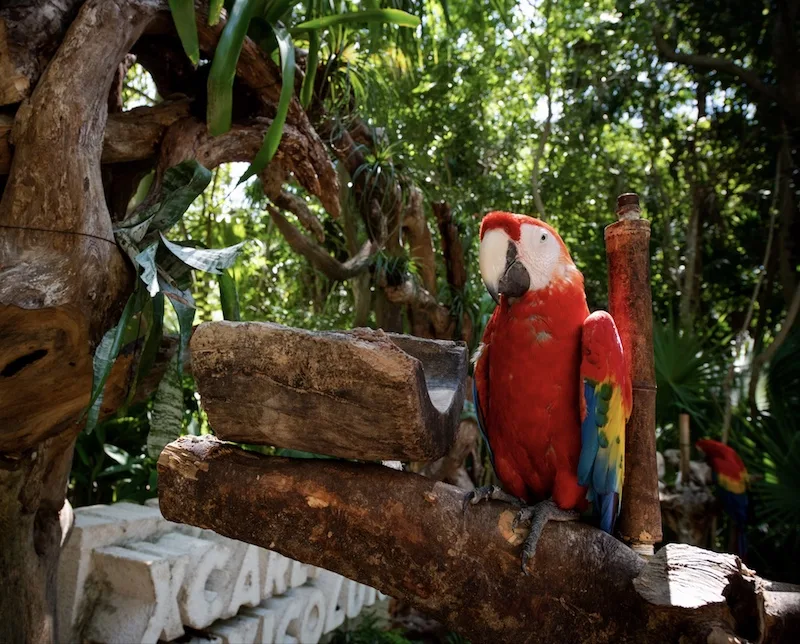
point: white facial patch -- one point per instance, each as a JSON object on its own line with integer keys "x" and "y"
{"x": 540, "y": 253}
{"x": 492, "y": 256}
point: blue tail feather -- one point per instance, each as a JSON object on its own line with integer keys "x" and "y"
{"x": 609, "y": 504}
{"x": 741, "y": 540}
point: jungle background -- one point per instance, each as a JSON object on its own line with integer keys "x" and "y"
{"x": 550, "y": 108}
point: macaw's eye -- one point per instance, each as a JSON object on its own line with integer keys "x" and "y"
{"x": 544, "y": 237}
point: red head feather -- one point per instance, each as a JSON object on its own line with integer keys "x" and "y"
{"x": 723, "y": 459}
{"x": 507, "y": 221}
{"x": 511, "y": 223}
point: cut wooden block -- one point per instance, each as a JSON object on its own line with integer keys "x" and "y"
{"x": 360, "y": 394}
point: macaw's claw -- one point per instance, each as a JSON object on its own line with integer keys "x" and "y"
{"x": 538, "y": 515}
{"x": 488, "y": 493}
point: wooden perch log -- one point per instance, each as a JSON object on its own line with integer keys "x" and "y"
{"x": 408, "y": 536}
{"x": 630, "y": 303}
{"x": 360, "y": 394}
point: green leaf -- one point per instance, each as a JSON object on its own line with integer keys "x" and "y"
{"x": 147, "y": 260}
{"x": 214, "y": 11}
{"x": 180, "y": 273}
{"x": 273, "y": 136}
{"x": 275, "y": 10}
{"x": 228, "y": 297}
{"x": 184, "y": 307}
{"x": 166, "y": 421}
{"x": 152, "y": 343}
{"x": 223, "y": 67}
{"x": 387, "y": 16}
{"x": 117, "y": 453}
{"x": 182, "y": 184}
{"x": 134, "y": 228}
{"x": 445, "y": 11}
{"x": 141, "y": 190}
{"x": 183, "y": 15}
{"x": 82, "y": 454}
{"x": 209, "y": 260}
{"x": 104, "y": 357}
{"x": 307, "y": 91}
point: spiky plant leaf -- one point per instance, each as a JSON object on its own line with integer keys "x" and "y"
{"x": 183, "y": 16}
{"x": 228, "y": 297}
{"x": 385, "y": 16}
{"x": 105, "y": 355}
{"x": 147, "y": 260}
{"x": 688, "y": 373}
{"x": 182, "y": 184}
{"x": 214, "y": 11}
{"x": 209, "y": 260}
{"x": 166, "y": 420}
{"x": 155, "y": 333}
{"x": 183, "y": 304}
{"x": 223, "y": 67}
{"x": 275, "y": 131}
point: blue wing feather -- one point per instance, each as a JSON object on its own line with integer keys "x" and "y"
{"x": 598, "y": 466}
{"x": 481, "y": 422}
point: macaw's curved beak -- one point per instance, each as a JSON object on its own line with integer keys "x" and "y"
{"x": 501, "y": 271}
{"x": 516, "y": 280}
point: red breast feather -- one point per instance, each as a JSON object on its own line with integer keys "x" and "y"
{"x": 532, "y": 353}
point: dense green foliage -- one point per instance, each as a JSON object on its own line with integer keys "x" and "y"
{"x": 552, "y": 108}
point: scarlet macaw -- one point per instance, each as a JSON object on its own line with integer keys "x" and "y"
{"x": 730, "y": 475}
{"x": 551, "y": 385}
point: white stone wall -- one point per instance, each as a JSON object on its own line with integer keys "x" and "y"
{"x": 129, "y": 575}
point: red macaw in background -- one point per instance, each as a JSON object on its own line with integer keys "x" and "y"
{"x": 551, "y": 385}
{"x": 730, "y": 475}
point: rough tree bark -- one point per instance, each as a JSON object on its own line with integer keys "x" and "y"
{"x": 62, "y": 281}
{"x": 30, "y": 31}
{"x": 129, "y": 136}
{"x": 408, "y": 536}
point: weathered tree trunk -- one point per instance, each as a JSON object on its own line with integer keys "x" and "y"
{"x": 30, "y": 31}
{"x": 62, "y": 281}
{"x": 409, "y": 537}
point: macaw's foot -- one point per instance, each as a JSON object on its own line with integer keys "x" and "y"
{"x": 539, "y": 515}
{"x": 488, "y": 493}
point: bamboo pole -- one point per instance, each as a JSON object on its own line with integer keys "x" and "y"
{"x": 630, "y": 303}
{"x": 685, "y": 446}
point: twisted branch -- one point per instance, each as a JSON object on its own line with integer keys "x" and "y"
{"x": 714, "y": 63}
{"x": 320, "y": 258}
